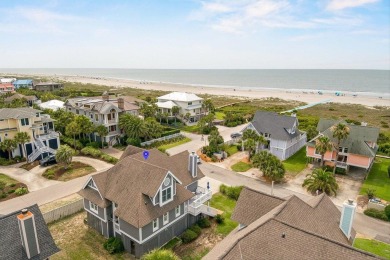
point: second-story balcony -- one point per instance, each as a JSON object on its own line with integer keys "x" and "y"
{"x": 196, "y": 204}
{"x": 48, "y": 135}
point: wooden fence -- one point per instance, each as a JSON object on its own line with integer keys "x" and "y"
{"x": 161, "y": 139}
{"x": 63, "y": 211}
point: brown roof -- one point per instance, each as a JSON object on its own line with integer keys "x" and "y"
{"x": 93, "y": 195}
{"x": 315, "y": 223}
{"x": 252, "y": 205}
{"x": 139, "y": 179}
{"x": 19, "y": 96}
{"x": 130, "y": 150}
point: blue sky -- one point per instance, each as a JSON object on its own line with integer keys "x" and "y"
{"x": 264, "y": 34}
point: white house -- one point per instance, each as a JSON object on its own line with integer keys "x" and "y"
{"x": 281, "y": 132}
{"x": 187, "y": 103}
{"x": 52, "y": 104}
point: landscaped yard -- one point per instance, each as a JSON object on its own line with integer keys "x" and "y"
{"x": 165, "y": 147}
{"x": 29, "y": 166}
{"x": 296, "y": 163}
{"x": 77, "y": 241}
{"x": 373, "y": 246}
{"x": 241, "y": 167}
{"x": 75, "y": 170}
{"x": 11, "y": 185}
{"x": 232, "y": 149}
{"x": 227, "y": 205}
{"x": 378, "y": 179}
{"x": 191, "y": 129}
{"x": 220, "y": 115}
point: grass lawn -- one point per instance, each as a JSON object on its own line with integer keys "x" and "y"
{"x": 231, "y": 150}
{"x": 296, "y": 163}
{"x": 10, "y": 187}
{"x": 77, "y": 241}
{"x": 191, "y": 129}
{"x": 241, "y": 167}
{"x": 165, "y": 147}
{"x": 378, "y": 179}
{"x": 222, "y": 202}
{"x": 373, "y": 246}
{"x": 196, "y": 255}
{"x": 75, "y": 170}
{"x": 7, "y": 180}
{"x": 220, "y": 115}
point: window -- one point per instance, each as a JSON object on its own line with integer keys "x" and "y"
{"x": 77, "y": 111}
{"x": 166, "y": 218}
{"x": 96, "y": 117}
{"x": 177, "y": 211}
{"x": 93, "y": 207}
{"x": 315, "y": 152}
{"x": 24, "y": 121}
{"x": 189, "y": 103}
{"x": 345, "y": 149}
{"x": 166, "y": 194}
{"x": 155, "y": 224}
{"x": 37, "y": 115}
{"x": 112, "y": 128}
{"x": 92, "y": 185}
{"x": 91, "y": 116}
{"x": 265, "y": 135}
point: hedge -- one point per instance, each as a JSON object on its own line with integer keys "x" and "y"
{"x": 379, "y": 214}
{"x": 196, "y": 229}
{"x": 204, "y": 223}
{"x": 188, "y": 236}
{"x": 170, "y": 132}
{"x": 232, "y": 192}
{"x": 96, "y": 153}
{"x": 114, "y": 245}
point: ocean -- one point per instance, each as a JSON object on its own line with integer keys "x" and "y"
{"x": 366, "y": 82}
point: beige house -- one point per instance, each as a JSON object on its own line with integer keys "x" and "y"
{"x": 40, "y": 127}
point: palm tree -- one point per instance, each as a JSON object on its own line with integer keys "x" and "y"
{"x": 215, "y": 139}
{"x": 187, "y": 116}
{"x": 159, "y": 116}
{"x": 341, "y": 132}
{"x": 73, "y": 129}
{"x": 321, "y": 180}
{"x": 208, "y": 106}
{"x": 250, "y": 145}
{"x": 166, "y": 116}
{"x": 133, "y": 126}
{"x": 22, "y": 138}
{"x": 8, "y": 145}
{"x": 323, "y": 144}
{"x": 102, "y": 132}
{"x": 152, "y": 128}
{"x": 64, "y": 155}
{"x": 275, "y": 169}
{"x": 85, "y": 125}
{"x": 175, "y": 111}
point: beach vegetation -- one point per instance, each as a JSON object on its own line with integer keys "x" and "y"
{"x": 321, "y": 180}
{"x": 271, "y": 166}
{"x": 158, "y": 254}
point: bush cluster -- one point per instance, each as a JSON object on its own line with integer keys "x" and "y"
{"x": 70, "y": 141}
{"x": 49, "y": 174}
{"x": 219, "y": 218}
{"x": 96, "y": 153}
{"x": 114, "y": 245}
{"x": 231, "y": 192}
{"x": 387, "y": 211}
{"x": 21, "y": 191}
{"x": 196, "y": 229}
{"x": 204, "y": 223}
{"x": 6, "y": 162}
{"x": 234, "y": 119}
{"x": 379, "y": 214}
{"x": 163, "y": 142}
{"x": 188, "y": 236}
{"x": 170, "y": 132}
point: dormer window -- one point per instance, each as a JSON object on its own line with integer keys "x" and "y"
{"x": 166, "y": 194}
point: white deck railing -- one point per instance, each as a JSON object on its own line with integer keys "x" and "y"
{"x": 196, "y": 203}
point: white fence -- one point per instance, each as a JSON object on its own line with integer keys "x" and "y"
{"x": 63, "y": 211}
{"x": 161, "y": 139}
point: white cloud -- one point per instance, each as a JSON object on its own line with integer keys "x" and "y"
{"x": 216, "y": 7}
{"x": 335, "y": 5}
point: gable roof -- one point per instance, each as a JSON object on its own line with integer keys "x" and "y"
{"x": 315, "y": 223}
{"x": 356, "y": 142}
{"x": 99, "y": 105}
{"x": 275, "y": 124}
{"x": 10, "y": 240}
{"x": 20, "y": 96}
{"x": 166, "y": 104}
{"x": 130, "y": 150}
{"x": 180, "y": 96}
{"x": 18, "y": 113}
{"x": 139, "y": 179}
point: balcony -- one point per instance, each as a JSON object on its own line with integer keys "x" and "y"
{"x": 47, "y": 136}
{"x": 196, "y": 204}
{"x": 342, "y": 164}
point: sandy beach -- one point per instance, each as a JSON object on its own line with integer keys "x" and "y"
{"x": 304, "y": 96}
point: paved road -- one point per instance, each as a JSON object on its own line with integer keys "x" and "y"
{"x": 55, "y": 191}
{"x": 362, "y": 223}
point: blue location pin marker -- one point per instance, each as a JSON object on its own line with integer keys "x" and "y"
{"x": 145, "y": 154}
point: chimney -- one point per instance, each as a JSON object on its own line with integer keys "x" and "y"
{"x": 347, "y": 215}
{"x": 28, "y": 233}
{"x": 121, "y": 103}
{"x": 193, "y": 164}
{"x": 105, "y": 96}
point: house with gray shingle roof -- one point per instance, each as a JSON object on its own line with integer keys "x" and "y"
{"x": 146, "y": 202}
{"x": 24, "y": 235}
{"x": 281, "y": 132}
{"x": 357, "y": 150}
{"x": 103, "y": 111}
{"x": 289, "y": 228}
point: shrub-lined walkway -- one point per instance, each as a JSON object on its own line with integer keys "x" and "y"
{"x": 75, "y": 170}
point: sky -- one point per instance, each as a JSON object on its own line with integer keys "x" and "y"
{"x": 195, "y": 34}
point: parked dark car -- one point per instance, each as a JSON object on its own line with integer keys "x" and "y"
{"x": 235, "y": 135}
{"x": 51, "y": 159}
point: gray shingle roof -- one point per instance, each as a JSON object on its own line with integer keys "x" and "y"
{"x": 18, "y": 113}
{"x": 315, "y": 223}
{"x": 137, "y": 178}
{"x": 356, "y": 142}
{"x": 99, "y": 105}
{"x": 10, "y": 240}
{"x": 275, "y": 124}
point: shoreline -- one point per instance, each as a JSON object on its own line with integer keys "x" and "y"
{"x": 303, "y": 95}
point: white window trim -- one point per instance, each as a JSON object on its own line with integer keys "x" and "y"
{"x": 177, "y": 213}
{"x": 166, "y": 221}
{"x": 161, "y": 196}
{"x": 155, "y": 228}
{"x": 92, "y": 208}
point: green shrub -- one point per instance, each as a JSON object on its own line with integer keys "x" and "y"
{"x": 6, "y": 162}
{"x": 12, "y": 185}
{"x": 204, "y": 223}
{"x": 108, "y": 158}
{"x": 91, "y": 151}
{"x": 234, "y": 192}
{"x": 95, "y": 145}
{"x": 3, "y": 195}
{"x": 370, "y": 193}
{"x": 341, "y": 171}
{"x": 21, "y": 191}
{"x": 388, "y": 171}
{"x": 219, "y": 218}
{"x": 133, "y": 142}
{"x": 11, "y": 191}
{"x": 387, "y": 211}
{"x": 69, "y": 141}
{"x": 379, "y": 214}
{"x": 188, "y": 236}
{"x": 160, "y": 254}
{"x": 114, "y": 245}
{"x": 196, "y": 229}
{"x": 223, "y": 188}
{"x": 2, "y": 185}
